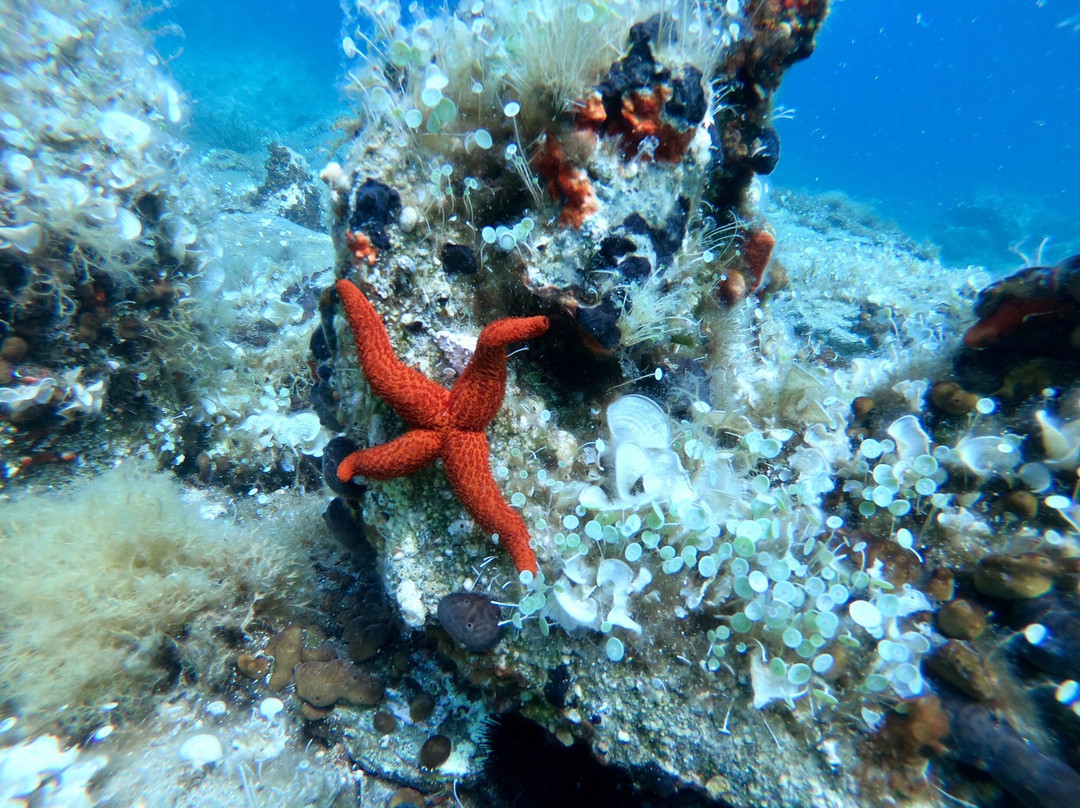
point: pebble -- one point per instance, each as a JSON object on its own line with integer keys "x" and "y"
{"x": 964, "y": 669}
{"x": 435, "y": 751}
{"x": 961, "y": 619}
{"x": 216, "y": 708}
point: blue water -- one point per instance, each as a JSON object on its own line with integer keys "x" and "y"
{"x": 958, "y": 121}
{"x": 923, "y": 107}
{"x": 258, "y": 71}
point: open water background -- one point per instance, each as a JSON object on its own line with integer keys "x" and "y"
{"x": 957, "y": 120}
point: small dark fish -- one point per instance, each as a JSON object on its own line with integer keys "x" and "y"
{"x": 471, "y": 620}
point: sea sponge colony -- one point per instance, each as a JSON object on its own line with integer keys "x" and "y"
{"x": 98, "y": 225}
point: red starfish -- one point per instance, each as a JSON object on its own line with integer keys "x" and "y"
{"x": 446, "y": 424}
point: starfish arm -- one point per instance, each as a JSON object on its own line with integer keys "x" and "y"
{"x": 465, "y": 458}
{"x": 416, "y": 398}
{"x": 401, "y": 456}
{"x": 478, "y": 394}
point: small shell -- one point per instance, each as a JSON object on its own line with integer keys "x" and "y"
{"x": 202, "y": 750}
{"x": 129, "y": 225}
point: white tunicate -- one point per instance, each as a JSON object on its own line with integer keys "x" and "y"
{"x": 865, "y": 613}
{"x": 581, "y": 611}
{"x": 614, "y": 649}
{"x": 511, "y": 108}
{"x": 631, "y": 464}
{"x": 348, "y": 47}
{"x": 613, "y": 572}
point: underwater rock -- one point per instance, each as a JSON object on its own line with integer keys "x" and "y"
{"x": 965, "y": 670}
{"x": 979, "y": 737}
{"x": 321, "y": 684}
{"x": 471, "y": 620}
{"x": 1057, "y": 651}
{"x": 1025, "y": 302}
{"x": 1015, "y": 576}
{"x": 289, "y": 188}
